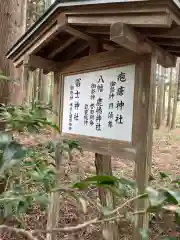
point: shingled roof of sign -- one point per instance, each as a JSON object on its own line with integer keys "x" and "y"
{"x": 167, "y": 37}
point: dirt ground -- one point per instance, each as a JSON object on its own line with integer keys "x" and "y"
{"x": 166, "y": 158}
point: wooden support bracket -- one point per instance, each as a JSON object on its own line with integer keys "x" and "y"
{"x": 61, "y": 25}
{"x": 63, "y": 20}
{"x": 62, "y": 47}
{"x": 33, "y": 62}
{"x": 127, "y": 37}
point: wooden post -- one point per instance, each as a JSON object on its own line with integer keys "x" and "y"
{"x": 146, "y": 85}
{"x": 53, "y": 214}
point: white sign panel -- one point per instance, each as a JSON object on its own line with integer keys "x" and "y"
{"x": 100, "y": 103}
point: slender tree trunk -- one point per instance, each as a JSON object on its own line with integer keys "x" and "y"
{"x": 35, "y": 86}
{"x": 53, "y": 212}
{"x": 11, "y": 15}
{"x": 178, "y": 93}
{"x": 169, "y": 111}
{"x": 164, "y": 95}
{"x": 174, "y": 112}
{"x": 104, "y": 167}
{"x": 51, "y": 90}
{"x": 158, "y": 97}
{"x": 48, "y": 3}
{"x": 43, "y": 90}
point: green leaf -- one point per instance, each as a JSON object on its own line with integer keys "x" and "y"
{"x": 163, "y": 175}
{"x": 14, "y": 150}
{"x": 128, "y": 182}
{"x": 22, "y": 207}
{"x": 172, "y": 196}
{"x": 110, "y": 179}
{"x": 42, "y": 200}
{"x": 13, "y": 154}
{"x": 71, "y": 145}
{"x": 101, "y": 180}
{"x": 117, "y": 191}
{"x": 177, "y": 181}
{"x": 36, "y": 176}
{"x": 106, "y": 211}
{"x": 81, "y": 185}
{"x": 144, "y": 234}
{"x": 4, "y": 140}
{"x": 156, "y": 198}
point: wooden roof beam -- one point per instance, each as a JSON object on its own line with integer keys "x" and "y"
{"x": 173, "y": 33}
{"x": 127, "y": 37}
{"x": 62, "y": 47}
{"x": 79, "y": 34}
{"x": 162, "y": 20}
{"x": 169, "y": 43}
{"x": 39, "y": 42}
{"x": 77, "y": 50}
{"x": 63, "y": 20}
{"x": 98, "y": 30}
{"x": 172, "y": 49}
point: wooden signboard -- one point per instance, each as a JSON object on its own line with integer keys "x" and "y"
{"x": 106, "y": 103}
{"x": 99, "y": 106}
{"x": 100, "y": 103}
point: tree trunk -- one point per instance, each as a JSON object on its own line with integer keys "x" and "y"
{"x": 157, "y": 96}
{"x": 35, "y": 86}
{"x": 174, "y": 113}
{"x": 169, "y": 99}
{"x": 43, "y": 90}
{"x": 48, "y": 3}
{"x": 54, "y": 207}
{"x": 11, "y": 28}
{"x": 104, "y": 167}
{"x": 164, "y": 95}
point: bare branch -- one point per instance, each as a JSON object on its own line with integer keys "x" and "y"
{"x": 67, "y": 229}
{"x": 23, "y": 232}
{"x": 29, "y": 234}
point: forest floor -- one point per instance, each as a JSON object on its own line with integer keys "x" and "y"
{"x": 166, "y": 158}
